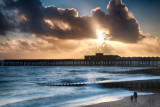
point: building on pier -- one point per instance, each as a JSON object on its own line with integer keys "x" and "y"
{"x": 100, "y": 56}
{"x": 90, "y": 60}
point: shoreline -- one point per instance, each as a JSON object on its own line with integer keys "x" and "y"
{"x": 152, "y": 100}
{"x": 97, "y": 100}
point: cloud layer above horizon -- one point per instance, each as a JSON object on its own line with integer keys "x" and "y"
{"x": 29, "y": 16}
{"x": 59, "y": 30}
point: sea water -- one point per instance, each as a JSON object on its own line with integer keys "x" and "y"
{"x": 23, "y": 86}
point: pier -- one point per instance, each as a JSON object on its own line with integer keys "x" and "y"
{"x": 94, "y": 60}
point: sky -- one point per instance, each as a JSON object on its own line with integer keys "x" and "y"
{"x": 66, "y": 29}
{"x": 145, "y": 11}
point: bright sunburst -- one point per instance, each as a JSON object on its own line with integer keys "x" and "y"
{"x": 102, "y": 36}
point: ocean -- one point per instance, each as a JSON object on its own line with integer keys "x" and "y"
{"x": 27, "y": 86}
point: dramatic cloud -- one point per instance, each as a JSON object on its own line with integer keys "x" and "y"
{"x": 25, "y": 45}
{"x": 66, "y": 24}
{"x": 4, "y": 25}
{"x": 120, "y": 22}
{"x": 61, "y": 33}
{"x": 30, "y": 16}
{"x": 49, "y": 48}
{"x": 49, "y": 21}
{"x": 39, "y": 48}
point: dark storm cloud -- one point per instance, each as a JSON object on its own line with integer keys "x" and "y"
{"x": 31, "y": 17}
{"x": 4, "y": 24}
{"x": 71, "y": 26}
{"x": 64, "y": 23}
{"x": 120, "y": 22}
{"x": 33, "y": 12}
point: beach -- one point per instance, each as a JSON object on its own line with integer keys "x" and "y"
{"x": 152, "y": 100}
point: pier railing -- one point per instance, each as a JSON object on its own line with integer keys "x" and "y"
{"x": 82, "y": 62}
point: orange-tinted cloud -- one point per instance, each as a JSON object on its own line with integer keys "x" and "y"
{"x": 61, "y": 33}
{"x": 32, "y": 17}
{"x": 120, "y": 22}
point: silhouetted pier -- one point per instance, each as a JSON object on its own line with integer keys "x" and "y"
{"x": 72, "y": 62}
{"x": 95, "y": 60}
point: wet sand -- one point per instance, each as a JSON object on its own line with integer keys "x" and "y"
{"x": 152, "y": 100}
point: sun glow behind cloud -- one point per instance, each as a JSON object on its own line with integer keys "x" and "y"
{"x": 103, "y": 36}
{"x": 100, "y": 36}
{"x": 63, "y": 33}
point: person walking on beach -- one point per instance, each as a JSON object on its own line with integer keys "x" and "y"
{"x": 135, "y": 96}
{"x": 131, "y": 98}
